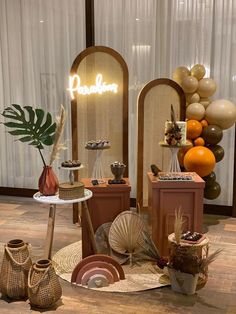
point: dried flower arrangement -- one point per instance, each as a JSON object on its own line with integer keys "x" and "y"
{"x": 173, "y": 132}
{"x": 188, "y": 259}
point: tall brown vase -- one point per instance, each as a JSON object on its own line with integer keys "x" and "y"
{"x": 48, "y": 182}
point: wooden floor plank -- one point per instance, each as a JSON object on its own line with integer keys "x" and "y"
{"x": 27, "y": 219}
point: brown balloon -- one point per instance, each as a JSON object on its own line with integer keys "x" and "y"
{"x": 210, "y": 179}
{"x": 218, "y": 152}
{"x": 212, "y": 134}
{"x": 213, "y": 191}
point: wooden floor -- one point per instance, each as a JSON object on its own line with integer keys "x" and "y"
{"x": 25, "y": 219}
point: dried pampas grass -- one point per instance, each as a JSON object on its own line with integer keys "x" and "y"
{"x": 178, "y": 225}
{"x": 57, "y": 146}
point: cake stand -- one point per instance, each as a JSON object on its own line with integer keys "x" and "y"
{"x": 174, "y": 162}
{"x": 71, "y": 172}
{"x": 97, "y": 173}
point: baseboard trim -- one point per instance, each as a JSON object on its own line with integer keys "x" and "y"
{"x": 17, "y": 191}
{"x": 221, "y": 210}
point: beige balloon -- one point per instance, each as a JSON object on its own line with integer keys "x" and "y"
{"x": 190, "y": 84}
{"x": 193, "y": 97}
{"x": 221, "y": 112}
{"x": 198, "y": 71}
{"x": 195, "y": 111}
{"x": 180, "y": 73}
{"x": 206, "y": 87}
{"x": 205, "y": 102}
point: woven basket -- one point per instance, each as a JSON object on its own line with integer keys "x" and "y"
{"x": 69, "y": 191}
{"x": 14, "y": 271}
{"x": 44, "y": 287}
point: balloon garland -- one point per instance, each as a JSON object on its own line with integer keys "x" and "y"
{"x": 206, "y": 120}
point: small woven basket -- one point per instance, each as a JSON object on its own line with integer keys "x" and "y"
{"x": 14, "y": 271}
{"x": 44, "y": 288}
{"x": 69, "y": 191}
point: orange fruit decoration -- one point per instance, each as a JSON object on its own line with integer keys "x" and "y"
{"x": 199, "y": 159}
{"x": 204, "y": 123}
{"x": 199, "y": 141}
{"x": 194, "y": 129}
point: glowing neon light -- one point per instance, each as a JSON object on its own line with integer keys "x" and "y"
{"x": 100, "y": 87}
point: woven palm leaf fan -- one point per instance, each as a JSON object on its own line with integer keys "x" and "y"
{"x": 103, "y": 246}
{"x": 126, "y": 233}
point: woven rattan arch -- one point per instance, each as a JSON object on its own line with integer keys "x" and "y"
{"x": 162, "y": 82}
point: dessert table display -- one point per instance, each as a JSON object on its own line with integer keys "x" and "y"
{"x": 54, "y": 201}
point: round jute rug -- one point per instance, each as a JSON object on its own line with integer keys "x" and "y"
{"x": 138, "y": 277}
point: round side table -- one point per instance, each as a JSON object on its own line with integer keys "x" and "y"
{"x": 53, "y": 201}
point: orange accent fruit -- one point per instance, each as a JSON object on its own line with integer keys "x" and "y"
{"x": 194, "y": 129}
{"x": 199, "y": 141}
{"x": 199, "y": 159}
{"x": 204, "y": 123}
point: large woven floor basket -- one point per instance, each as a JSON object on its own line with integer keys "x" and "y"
{"x": 44, "y": 287}
{"x": 14, "y": 271}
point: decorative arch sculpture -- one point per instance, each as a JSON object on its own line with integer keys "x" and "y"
{"x": 103, "y": 114}
{"x": 154, "y": 104}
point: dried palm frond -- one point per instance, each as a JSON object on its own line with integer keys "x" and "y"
{"x": 178, "y": 225}
{"x": 149, "y": 248}
{"x": 209, "y": 259}
{"x": 172, "y": 114}
{"x": 57, "y": 146}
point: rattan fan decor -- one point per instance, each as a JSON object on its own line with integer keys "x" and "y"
{"x": 125, "y": 235}
{"x": 101, "y": 238}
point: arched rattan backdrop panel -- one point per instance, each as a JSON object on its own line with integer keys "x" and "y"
{"x": 154, "y": 103}
{"x": 100, "y": 116}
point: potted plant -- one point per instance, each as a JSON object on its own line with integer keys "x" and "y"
{"x": 187, "y": 262}
{"x": 33, "y": 126}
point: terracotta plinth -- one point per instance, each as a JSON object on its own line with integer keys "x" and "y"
{"x": 164, "y": 197}
{"x": 107, "y": 202}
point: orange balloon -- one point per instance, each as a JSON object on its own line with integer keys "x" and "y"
{"x": 204, "y": 123}
{"x": 199, "y": 159}
{"x": 194, "y": 129}
{"x": 199, "y": 141}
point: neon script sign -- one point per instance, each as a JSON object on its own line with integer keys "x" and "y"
{"x": 100, "y": 86}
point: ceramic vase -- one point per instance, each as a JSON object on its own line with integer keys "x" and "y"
{"x": 48, "y": 182}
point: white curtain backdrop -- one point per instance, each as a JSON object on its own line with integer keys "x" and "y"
{"x": 155, "y": 37}
{"x": 38, "y": 42}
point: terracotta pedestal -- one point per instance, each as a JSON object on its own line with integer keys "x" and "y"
{"x": 164, "y": 197}
{"x": 107, "y": 202}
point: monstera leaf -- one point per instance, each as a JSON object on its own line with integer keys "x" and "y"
{"x": 30, "y": 125}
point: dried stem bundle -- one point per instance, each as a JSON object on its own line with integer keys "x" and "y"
{"x": 178, "y": 225}
{"x": 57, "y": 146}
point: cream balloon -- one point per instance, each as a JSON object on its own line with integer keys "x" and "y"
{"x": 180, "y": 73}
{"x": 191, "y": 98}
{"x": 190, "y": 84}
{"x": 195, "y": 111}
{"x": 205, "y": 102}
{"x": 198, "y": 71}
{"x": 206, "y": 87}
{"x": 221, "y": 112}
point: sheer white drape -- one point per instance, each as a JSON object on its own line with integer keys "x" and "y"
{"x": 155, "y": 37}
{"x": 38, "y": 42}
